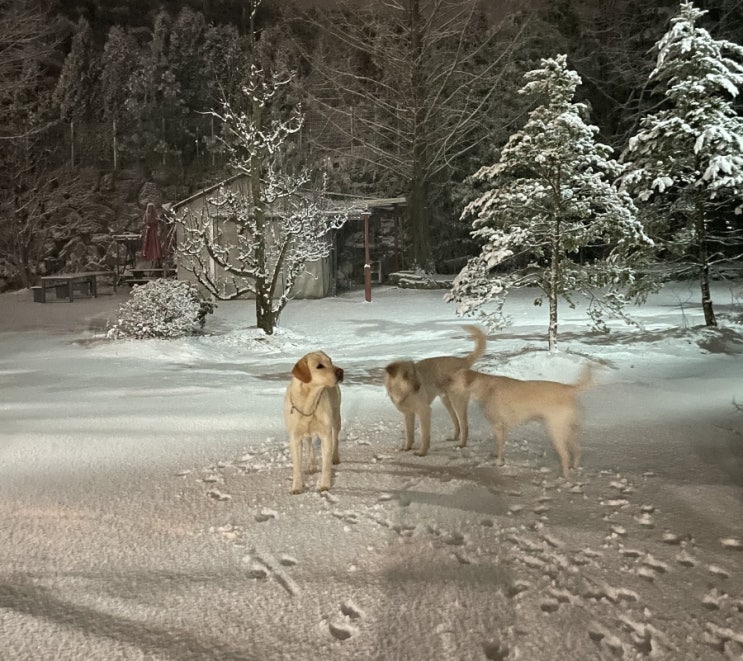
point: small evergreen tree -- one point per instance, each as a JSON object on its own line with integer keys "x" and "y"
{"x": 551, "y": 216}
{"x": 686, "y": 162}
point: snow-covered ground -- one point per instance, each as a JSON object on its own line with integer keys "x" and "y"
{"x": 145, "y": 510}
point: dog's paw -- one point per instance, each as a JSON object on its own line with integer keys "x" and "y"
{"x": 296, "y": 491}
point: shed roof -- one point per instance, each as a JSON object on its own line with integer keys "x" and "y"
{"x": 340, "y": 203}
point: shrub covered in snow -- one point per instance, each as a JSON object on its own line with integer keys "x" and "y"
{"x": 163, "y": 309}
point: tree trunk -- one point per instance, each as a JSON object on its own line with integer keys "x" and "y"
{"x": 419, "y": 225}
{"x": 72, "y": 143}
{"x": 420, "y": 230}
{"x": 707, "y": 308}
{"x": 264, "y": 316}
{"x": 553, "y": 285}
{"x": 115, "y": 146}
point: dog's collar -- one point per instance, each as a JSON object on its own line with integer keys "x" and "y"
{"x": 300, "y": 411}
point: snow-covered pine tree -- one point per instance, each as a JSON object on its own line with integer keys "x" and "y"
{"x": 685, "y": 164}
{"x": 255, "y": 239}
{"x": 551, "y": 217}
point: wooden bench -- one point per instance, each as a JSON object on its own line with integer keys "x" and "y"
{"x": 86, "y": 282}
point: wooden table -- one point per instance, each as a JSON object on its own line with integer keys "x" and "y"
{"x": 139, "y": 275}
{"x": 88, "y": 279}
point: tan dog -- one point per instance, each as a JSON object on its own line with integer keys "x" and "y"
{"x": 508, "y": 403}
{"x": 412, "y": 386}
{"x": 312, "y": 407}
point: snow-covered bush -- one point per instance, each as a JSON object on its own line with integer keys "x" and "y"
{"x": 163, "y": 309}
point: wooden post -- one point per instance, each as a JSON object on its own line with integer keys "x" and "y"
{"x": 367, "y": 265}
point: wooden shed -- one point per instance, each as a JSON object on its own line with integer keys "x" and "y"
{"x": 320, "y": 277}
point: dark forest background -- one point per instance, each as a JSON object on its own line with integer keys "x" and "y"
{"x": 104, "y": 104}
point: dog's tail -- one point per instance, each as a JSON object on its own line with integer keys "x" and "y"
{"x": 585, "y": 380}
{"x": 480, "y": 340}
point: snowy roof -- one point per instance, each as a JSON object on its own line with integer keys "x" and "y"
{"x": 339, "y": 202}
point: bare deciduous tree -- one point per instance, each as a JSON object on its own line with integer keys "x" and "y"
{"x": 24, "y": 41}
{"x": 412, "y": 91}
{"x": 256, "y": 238}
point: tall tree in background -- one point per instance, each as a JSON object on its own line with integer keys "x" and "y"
{"x": 25, "y": 32}
{"x": 607, "y": 43}
{"x": 550, "y": 198}
{"x": 25, "y": 42}
{"x": 257, "y": 238}
{"x": 685, "y": 165}
{"x": 155, "y": 102}
{"x": 120, "y": 58}
{"x": 411, "y": 92}
{"x": 75, "y": 94}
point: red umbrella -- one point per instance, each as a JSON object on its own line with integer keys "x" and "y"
{"x": 152, "y": 249}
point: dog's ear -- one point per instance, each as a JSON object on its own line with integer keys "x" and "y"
{"x": 391, "y": 369}
{"x": 301, "y": 371}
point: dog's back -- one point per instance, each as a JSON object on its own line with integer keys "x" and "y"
{"x": 514, "y": 401}
{"x": 508, "y": 402}
{"x": 435, "y": 373}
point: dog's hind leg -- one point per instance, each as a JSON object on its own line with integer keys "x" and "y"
{"x": 336, "y": 427}
{"x": 336, "y": 453}
{"x": 454, "y": 415}
{"x": 575, "y": 449}
{"x": 574, "y": 443}
{"x": 559, "y": 432}
{"x": 460, "y": 403}
{"x": 326, "y": 450}
{"x": 500, "y": 432}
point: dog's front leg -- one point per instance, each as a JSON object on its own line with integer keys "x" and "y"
{"x": 409, "y": 431}
{"x": 326, "y": 450}
{"x": 425, "y": 418}
{"x": 311, "y": 463}
{"x": 295, "y": 448}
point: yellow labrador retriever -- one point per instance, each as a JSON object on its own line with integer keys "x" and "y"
{"x": 412, "y": 387}
{"x": 312, "y": 408}
{"x": 508, "y": 402}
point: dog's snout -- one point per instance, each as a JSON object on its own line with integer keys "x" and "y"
{"x": 339, "y": 374}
